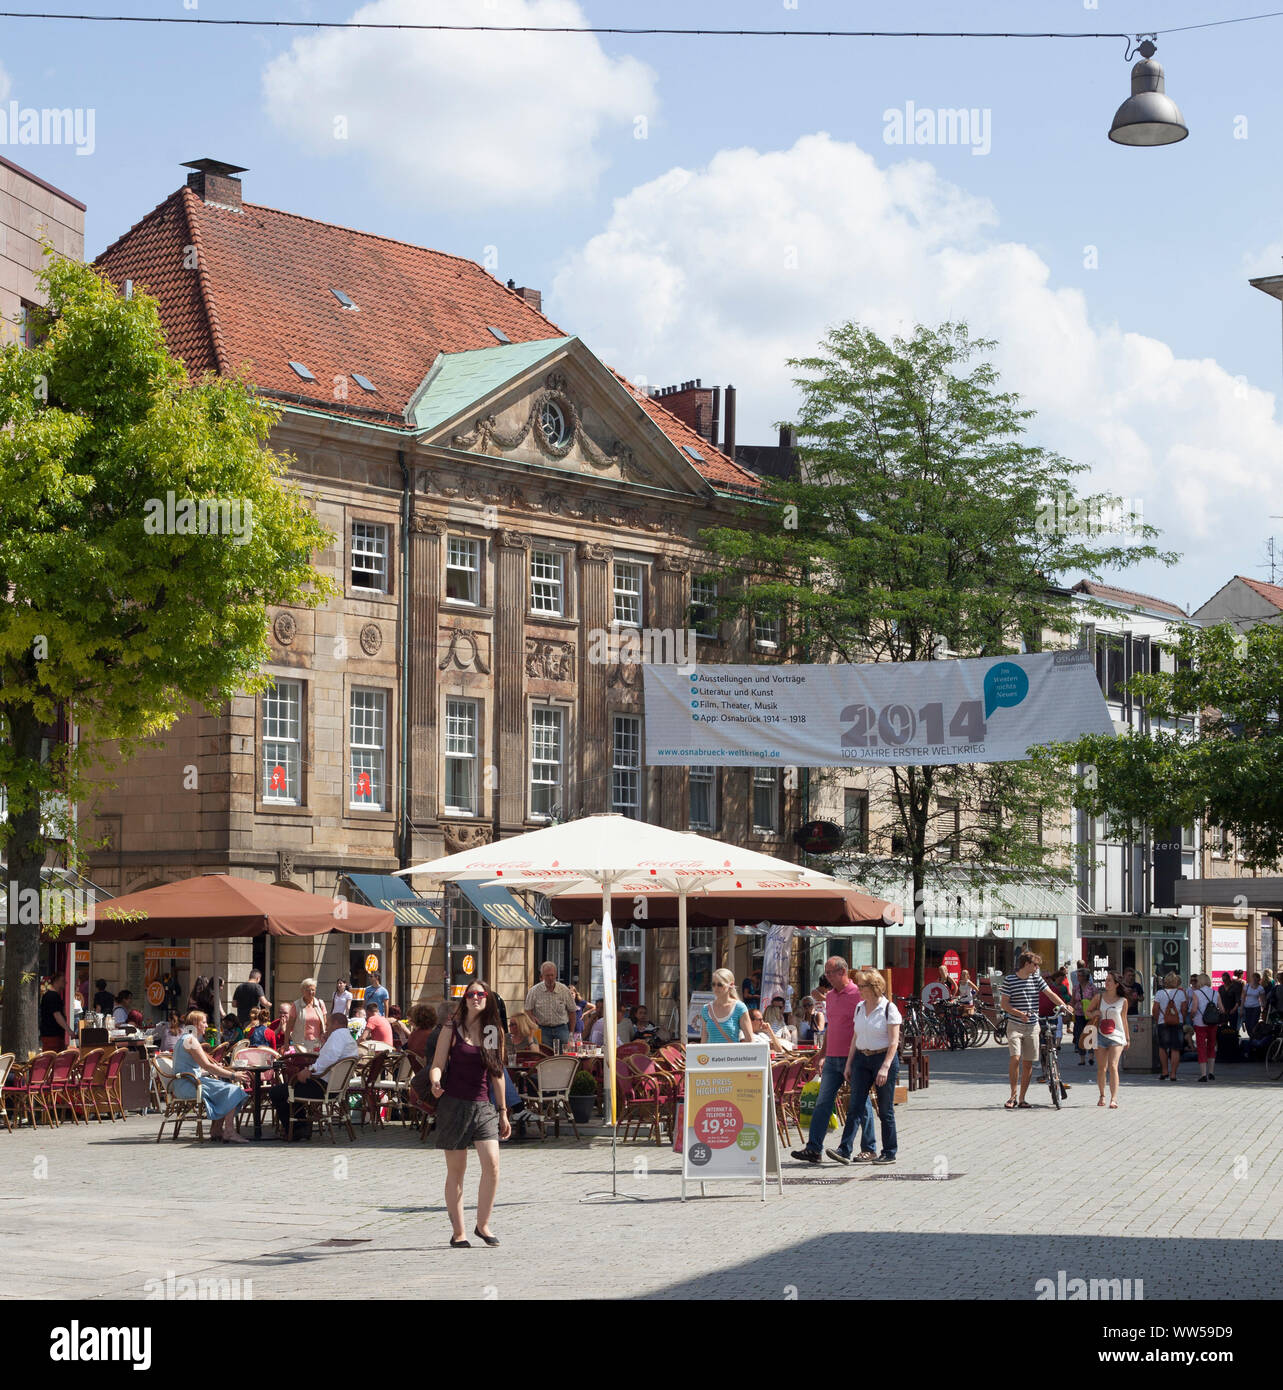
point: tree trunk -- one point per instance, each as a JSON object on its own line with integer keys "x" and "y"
{"x": 18, "y": 1026}
{"x": 919, "y": 925}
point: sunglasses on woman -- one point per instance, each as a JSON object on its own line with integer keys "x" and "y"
{"x": 477, "y": 994}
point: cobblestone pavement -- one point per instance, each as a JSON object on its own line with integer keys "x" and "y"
{"x": 1180, "y": 1188}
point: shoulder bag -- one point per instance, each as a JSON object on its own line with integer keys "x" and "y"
{"x": 1211, "y": 1017}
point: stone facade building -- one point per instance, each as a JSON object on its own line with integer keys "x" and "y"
{"x": 32, "y": 212}
{"x": 505, "y": 507}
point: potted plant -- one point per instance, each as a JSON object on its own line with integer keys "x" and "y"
{"x": 583, "y": 1097}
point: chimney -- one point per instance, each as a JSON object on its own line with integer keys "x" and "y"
{"x": 717, "y": 415}
{"x": 729, "y": 446}
{"x": 532, "y": 297}
{"x": 214, "y": 182}
{"x": 692, "y": 402}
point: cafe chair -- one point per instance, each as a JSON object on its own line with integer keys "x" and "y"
{"x": 178, "y": 1108}
{"x": 81, "y": 1090}
{"x": 395, "y": 1089}
{"x": 62, "y": 1081}
{"x": 7, "y": 1060}
{"x": 333, "y": 1105}
{"x": 363, "y": 1087}
{"x": 108, "y": 1090}
{"x": 649, "y": 1093}
{"x": 549, "y": 1096}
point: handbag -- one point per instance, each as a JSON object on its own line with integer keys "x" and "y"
{"x": 421, "y": 1082}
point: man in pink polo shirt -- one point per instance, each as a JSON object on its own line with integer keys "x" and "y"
{"x": 840, "y": 1004}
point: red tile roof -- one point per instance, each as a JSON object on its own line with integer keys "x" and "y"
{"x": 1107, "y": 591}
{"x": 251, "y": 290}
{"x": 1272, "y": 592}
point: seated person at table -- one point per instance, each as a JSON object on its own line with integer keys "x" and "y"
{"x": 778, "y": 1022}
{"x": 762, "y": 1029}
{"x": 338, "y": 1044}
{"x": 261, "y": 1032}
{"x": 168, "y": 1032}
{"x": 805, "y": 1022}
{"x": 377, "y": 1030}
{"x": 124, "y": 1006}
{"x": 424, "y": 1020}
{"x": 525, "y": 1032}
{"x": 230, "y": 1032}
{"x": 643, "y": 1029}
{"x": 357, "y": 1020}
{"x": 220, "y": 1086}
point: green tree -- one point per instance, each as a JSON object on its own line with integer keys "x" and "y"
{"x": 922, "y": 526}
{"x": 1226, "y": 773}
{"x": 117, "y": 609}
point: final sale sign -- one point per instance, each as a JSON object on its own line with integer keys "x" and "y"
{"x": 987, "y": 710}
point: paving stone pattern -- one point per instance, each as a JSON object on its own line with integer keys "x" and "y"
{"x": 1180, "y": 1188}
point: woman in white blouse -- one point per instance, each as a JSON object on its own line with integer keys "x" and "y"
{"x": 873, "y": 1064}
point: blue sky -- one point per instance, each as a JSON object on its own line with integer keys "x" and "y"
{"x": 674, "y": 256}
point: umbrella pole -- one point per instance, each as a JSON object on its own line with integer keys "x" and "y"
{"x": 683, "y": 974}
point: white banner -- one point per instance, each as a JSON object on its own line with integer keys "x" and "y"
{"x": 989, "y": 710}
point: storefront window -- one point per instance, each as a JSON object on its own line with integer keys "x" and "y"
{"x": 699, "y": 958}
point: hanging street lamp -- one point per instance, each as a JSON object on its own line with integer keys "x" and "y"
{"x": 1149, "y": 116}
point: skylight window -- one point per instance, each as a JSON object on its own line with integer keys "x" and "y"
{"x": 342, "y": 298}
{"x": 499, "y": 333}
{"x": 364, "y": 382}
{"x": 694, "y": 453}
{"x": 300, "y": 370}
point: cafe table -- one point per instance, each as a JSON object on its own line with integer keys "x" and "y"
{"x": 256, "y": 1071}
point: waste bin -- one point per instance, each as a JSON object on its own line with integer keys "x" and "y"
{"x": 1140, "y": 1055}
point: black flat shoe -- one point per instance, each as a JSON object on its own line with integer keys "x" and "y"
{"x": 464, "y": 1244}
{"x": 489, "y": 1240}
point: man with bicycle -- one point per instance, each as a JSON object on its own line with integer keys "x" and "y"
{"x": 1021, "y": 991}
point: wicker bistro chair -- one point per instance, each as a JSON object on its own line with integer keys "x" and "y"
{"x": 107, "y": 1086}
{"x": 646, "y": 1093}
{"x": 62, "y": 1082}
{"x": 333, "y": 1105}
{"x": 7, "y": 1060}
{"x": 178, "y": 1108}
{"x": 549, "y": 1095}
{"x": 394, "y": 1088}
{"x": 364, "y": 1086}
{"x": 34, "y": 1088}
{"x": 81, "y": 1088}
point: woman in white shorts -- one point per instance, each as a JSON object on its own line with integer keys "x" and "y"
{"x": 1111, "y": 1037}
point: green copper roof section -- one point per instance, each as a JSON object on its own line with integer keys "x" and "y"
{"x": 459, "y": 379}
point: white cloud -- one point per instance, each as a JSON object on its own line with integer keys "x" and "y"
{"x": 491, "y": 118}
{"x": 725, "y": 272}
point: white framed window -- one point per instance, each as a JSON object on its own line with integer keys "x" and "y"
{"x": 629, "y": 578}
{"x": 766, "y": 631}
{"x": 630, "y": 939}
{"x": 703, "y": 797}
{"x": 855, "y": 818}
{"x": 766, "y": 800}
{"x": 625, "y": 771}
{"x": 370, "y": 556}
{"x": 547, "y": 760}
{"x": 461, "y": 757}
{"x": 463, "y": 570}
{"x": 548, "y": 582}
{"x": 281, "y": 706}
{"x": 704, "y": 607}
{"x": 367, "y": 749}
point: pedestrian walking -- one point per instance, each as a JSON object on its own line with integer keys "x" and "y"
{"x": 1253, "y": 995}
{"x": 1021, "y": 991}
{"x": 1112, "y": 1037}
{"x": 248, "y": 996}
{"x": 467, "y": 1068}
{"x": 1171, "y": 1007}
{"x": 843, "y": 999}
{"x": 1083, "y": 995}
{"x": 872, "y": 1065}
{"x": 1205, "y": 1014}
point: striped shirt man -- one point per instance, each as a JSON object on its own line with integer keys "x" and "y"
{"x": 1023, "y": 993}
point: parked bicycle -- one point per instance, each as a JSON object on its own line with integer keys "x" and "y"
{"x": 1049, "y": 1058}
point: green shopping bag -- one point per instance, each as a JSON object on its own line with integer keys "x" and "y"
{"x": 806, "y": 1105}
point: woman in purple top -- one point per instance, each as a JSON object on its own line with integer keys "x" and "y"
{"x": 470, "y": 1056}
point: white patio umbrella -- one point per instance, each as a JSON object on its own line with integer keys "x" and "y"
{"x": 606, "y": 852}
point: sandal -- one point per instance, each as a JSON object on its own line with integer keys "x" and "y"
{"x": 1024, "y": 1105}
{"x": 1010, "y": 1105}
{"x": 1113, "y": 1105}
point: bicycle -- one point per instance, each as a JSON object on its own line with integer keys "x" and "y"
{"x": 1274, "y": 1057}
{"x": 1049, "y": 1057}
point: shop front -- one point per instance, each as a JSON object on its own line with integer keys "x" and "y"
{"x": 1153, "y": 945}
